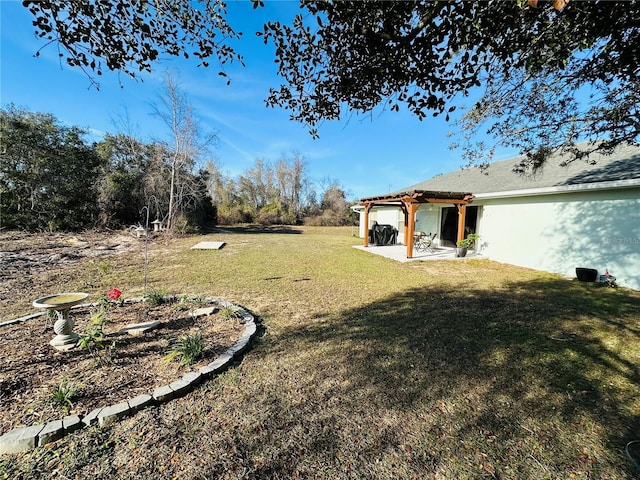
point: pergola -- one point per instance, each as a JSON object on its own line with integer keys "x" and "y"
{"x": 410, "y": 202}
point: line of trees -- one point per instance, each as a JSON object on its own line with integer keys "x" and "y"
{"x": 52, "y": 178}
{"x": 278, "y": 193}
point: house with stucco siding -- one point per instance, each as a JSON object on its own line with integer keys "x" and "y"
{"x": 562, "y": 216}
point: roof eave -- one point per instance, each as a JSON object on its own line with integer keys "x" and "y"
{"x": 581, "y": 187}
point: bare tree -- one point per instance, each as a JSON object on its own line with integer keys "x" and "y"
{"x": 257, "y": 186}
{"x": 290, "y": 174}
{"x": 186, "y": 147}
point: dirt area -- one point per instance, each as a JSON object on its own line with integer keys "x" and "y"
{"x": 33, "y": 374}
{"x": 31, "y": 261}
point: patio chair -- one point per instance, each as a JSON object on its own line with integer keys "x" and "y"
{"x": 423, "y": 241}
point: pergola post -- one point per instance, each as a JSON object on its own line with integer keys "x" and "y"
{"x": 462, "y": 214}
{"x": 367, "y": 207}
{"x": 405, "y": 213}
{"x": 410, "y": 229}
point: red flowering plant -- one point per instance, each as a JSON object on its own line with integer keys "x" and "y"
{"x": 111, "y": 298}
{"x": 94, "y": 336}
{"x": 114, "y": 294}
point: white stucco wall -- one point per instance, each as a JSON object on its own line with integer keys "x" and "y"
{"x": 388, "y": 216}
{"x": 428, "y": 220}
{"x": 384, "y": 216}
{"x": 558, "y": 233}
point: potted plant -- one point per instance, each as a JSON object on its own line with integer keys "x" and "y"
{"x": 465, "y": 244}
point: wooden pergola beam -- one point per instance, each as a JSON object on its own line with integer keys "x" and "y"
{"x": 421, "y": 196}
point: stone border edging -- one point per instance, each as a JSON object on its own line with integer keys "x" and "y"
{"x": 26, "y": 438}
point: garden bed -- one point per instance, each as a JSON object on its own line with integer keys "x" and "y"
{"x": 39, "y": 383}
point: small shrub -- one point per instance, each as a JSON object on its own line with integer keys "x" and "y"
{"x": 188, "y": 348}
{"x": 62, "y": 394}
{"x": 95, "y": 335}
{"x": 231, "y": 313}
{"x": 269, "y": 218}
{"x": 111, "y": 299}
{"x": 327, "y": 219}
{"x": 181, "y": 224}
{"x": 186, "y": 302}
{"x": 182, "y": 303}
{"x": 156, "y": 298}
{"x": 234, "y": 215}
{"x": 94, "y": 338}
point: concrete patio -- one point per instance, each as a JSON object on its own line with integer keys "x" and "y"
{"x": 399, "y": 253}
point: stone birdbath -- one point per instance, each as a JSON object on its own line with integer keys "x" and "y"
{"x": 61, "y": 303}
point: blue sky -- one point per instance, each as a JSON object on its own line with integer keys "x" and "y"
{"x": 369, "y": 155}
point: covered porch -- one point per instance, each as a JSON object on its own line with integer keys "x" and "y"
{"x": 409, "y": 203}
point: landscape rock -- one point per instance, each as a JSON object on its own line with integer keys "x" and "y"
{"x": 51, "y": 432}
{"x": 250, "y": 329}
{"x": 163, "y": 394}
{"x": 20, "y": 439}
{"x": 240, "y": 346}
{"x": 139, "y": 402}
{"x": 180, "y": 387}
{"x": 194, "y": 378}
{"x": 219, "y": 364}
{"x": 110, "y": 414}
{"x": 205, "y": 311}
{"x": 71, "y": 423}
{"x": 138, "y": 329}
{"x": 92, "y": 417}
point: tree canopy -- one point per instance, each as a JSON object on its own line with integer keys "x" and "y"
{"x": 129, "y": 36}
{"x": 534, "y": 59}
{"x": 47, "y": 172}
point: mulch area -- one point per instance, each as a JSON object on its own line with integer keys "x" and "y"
{"x": 126, "y": 365}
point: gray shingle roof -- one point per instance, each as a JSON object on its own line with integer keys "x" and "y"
{"x": 623, "y": 164}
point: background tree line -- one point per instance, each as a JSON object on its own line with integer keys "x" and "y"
{"x": 52, "y": 177}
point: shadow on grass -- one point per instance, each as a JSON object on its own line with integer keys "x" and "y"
{"x": 253, "y": 229}
{"x": 539, "y": 377}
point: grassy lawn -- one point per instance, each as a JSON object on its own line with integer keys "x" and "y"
{"x": 371, "y": 369}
